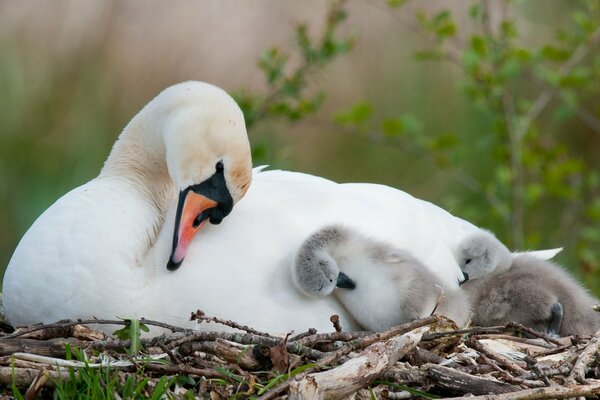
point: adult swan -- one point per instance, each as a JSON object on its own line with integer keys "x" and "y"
{"x": 125, "y": 244}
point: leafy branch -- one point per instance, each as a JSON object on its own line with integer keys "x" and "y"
{"x": 288, "y": 94}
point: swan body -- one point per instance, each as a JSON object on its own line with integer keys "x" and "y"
{"x": 141, "y": 240}
{"x": 379, "y": 284}
{"x": 524, "y": 289}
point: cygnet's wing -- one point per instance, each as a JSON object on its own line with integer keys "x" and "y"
{"x": 541, "y": 254}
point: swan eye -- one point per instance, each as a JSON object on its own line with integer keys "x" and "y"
{"x": 331, "y": 280}
{"x": 220, "y": 167}
{"x": 468, "y": 261}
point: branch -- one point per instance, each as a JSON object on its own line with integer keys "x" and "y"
{"x": 586, "y": 358}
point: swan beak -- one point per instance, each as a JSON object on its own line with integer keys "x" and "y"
{"x": 465, "y": 279}
{"x": 191, "y": 216}
{"x": 344, "y": 281}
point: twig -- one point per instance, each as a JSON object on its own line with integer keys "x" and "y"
{"x": 586, "y": 358}
{"x": 201, "y": 316}
{"x": 496, "y": 357}
{"x": 353, "y": 346}
{"x": 63, "y": 324}
{"x": 553, "y": 392}
{"x": 331, "y": 337}
{"x": 335, "y": 320}
{"x": 461, "y": 382}
{"x": 310, "y": 332}
{"x": 358, "y": 372}
{"x": 535, "y": 333}
{"x": 36, "y": 386}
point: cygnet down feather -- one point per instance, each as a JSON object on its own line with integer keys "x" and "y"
{"x": 379, "y": 284}
{"x": 524, "y": 289}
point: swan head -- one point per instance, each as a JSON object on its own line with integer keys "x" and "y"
{"x": 481, "y": 254}
{"x": 208, "y": 157}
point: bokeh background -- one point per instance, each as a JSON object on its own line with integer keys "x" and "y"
{"x": 73, "y": 72}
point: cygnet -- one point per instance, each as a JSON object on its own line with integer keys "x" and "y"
{"x": 522, "y": 288}
{"x": 379, "y": 284}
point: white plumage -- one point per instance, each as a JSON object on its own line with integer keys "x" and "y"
{"x": 101, "y": 250}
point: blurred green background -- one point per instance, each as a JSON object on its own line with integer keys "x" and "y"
{"x": 432, "y": 97}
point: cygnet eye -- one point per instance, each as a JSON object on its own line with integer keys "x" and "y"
{"x": 468, "y": 260}
{"x": 220, "y": 167}
{"x": 331, "y": 280}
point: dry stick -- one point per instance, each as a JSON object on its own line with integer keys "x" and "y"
{"x": 356, "y": 373}
{"x": 199, "y": 315}
{"x": 553, "y": 392}
{"x": 36, "y": 386}
{"x": 586, "y": 358}
{"x": 64, "y": 324}
{"x": 467, "y": 331}
{"x": 353, "y": 346}
{"x": 310, "y": 332}
{"x": 331, "y": 337}
{"x": 23, "y": 377}
{"x": 531, "y": 342}
{"x": 183, "y": 370}
{"x": 244, "y": 338}
{"x": 461, "y": 382}
{"x": 509, "y": 378}
{"x": 335, "y": 320}
{"x": 535, "y": 333}
{"x": 498, "y": 358}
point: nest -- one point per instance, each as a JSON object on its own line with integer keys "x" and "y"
{"x": 427, "y": 358}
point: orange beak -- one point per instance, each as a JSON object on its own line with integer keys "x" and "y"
{"x": 191, "y": 217}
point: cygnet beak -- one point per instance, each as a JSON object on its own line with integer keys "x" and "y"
{"x": 344, "y": 281}
{"x": 465, "y": 279}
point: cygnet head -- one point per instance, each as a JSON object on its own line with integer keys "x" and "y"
{"x": 207, "y": 153}
{"x": 316, "y": 273}
{"x": 481, "y": 254}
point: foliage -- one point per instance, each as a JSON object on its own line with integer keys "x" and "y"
{"x": 511, "y": 85}
{"x": 288, "y": 93}
{"x": 132, "y": 331}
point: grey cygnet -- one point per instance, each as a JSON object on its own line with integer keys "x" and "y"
{"x": 524, "y": 289}
{"x": 379, "y": 284}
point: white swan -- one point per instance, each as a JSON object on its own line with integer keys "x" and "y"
{"x": 103, "y": 249}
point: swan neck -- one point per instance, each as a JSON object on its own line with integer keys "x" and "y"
{"x": 138, "y": 157}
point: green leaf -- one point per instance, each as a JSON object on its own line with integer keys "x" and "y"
{"x": 393, "y": 127}
{"x": 444, "y": 141}
{"x": 478, "y": 44}
{"x": 553, "y": 53}
{"x": 358, "y": 114}
{"x": 395, "y": 3}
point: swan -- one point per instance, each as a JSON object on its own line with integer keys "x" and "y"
{"x": 177, "y": 220}
{"x": 525, "y": 289}
{"x": 379, "y": 284}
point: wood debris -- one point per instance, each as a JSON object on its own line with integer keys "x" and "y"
{"x": 427, "y": 358}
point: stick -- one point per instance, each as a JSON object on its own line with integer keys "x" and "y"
{"x": 535, "y": 333}
{"x": 342, "y": 381}
{"x": 496, "y": 357}
{"x": 353, "y": 346}
{"x": 199, "y": 315}
{"x": 335, "y": 320}
{"x": 462, "y": 382}
{"x": 36, "y": 386}
{"x": 553, "y": 392}
{"x": 586, "y": 358}
{"x": 65, "y": 324}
